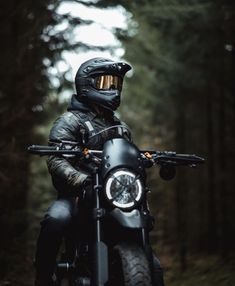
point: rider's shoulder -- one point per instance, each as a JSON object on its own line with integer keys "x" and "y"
{"x": 65, "y": 127}
{"x": 118, "y": 120}
{"x": 68, "y": 118}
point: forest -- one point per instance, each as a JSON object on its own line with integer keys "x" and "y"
{"x": 180, "y": 97}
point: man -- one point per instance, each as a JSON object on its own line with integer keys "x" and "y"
{"x": 98, "y": 85}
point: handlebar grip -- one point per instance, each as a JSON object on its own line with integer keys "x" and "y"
{"x": 190, "y": 159}
{"x": 42, "y": 147}
{"x": 53, "y": 150}
{"x": 36, "y": 149}
{"x": 174, "y": 159}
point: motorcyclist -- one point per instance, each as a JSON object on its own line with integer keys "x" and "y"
{"x": 98, "y": 85}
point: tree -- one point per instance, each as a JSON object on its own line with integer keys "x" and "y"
{"x": 183, "y": 58}
{"x": 30, "y": 45}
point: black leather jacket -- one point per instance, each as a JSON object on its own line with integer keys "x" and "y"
{"x": 81, "y": 125}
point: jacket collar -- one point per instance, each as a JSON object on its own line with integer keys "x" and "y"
{"x": 94, "y": 111}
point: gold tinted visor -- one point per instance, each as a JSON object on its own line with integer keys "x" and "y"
{"x": 108, "y": 82}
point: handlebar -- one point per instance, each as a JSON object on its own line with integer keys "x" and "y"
{"x": 53, "y": 150}
{"x": 173, "y": 159}
{"x": 162, "y": 158}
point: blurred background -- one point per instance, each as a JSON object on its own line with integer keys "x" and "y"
{"x": 180, "y": 97}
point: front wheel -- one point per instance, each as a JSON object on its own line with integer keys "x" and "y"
{"x": 129, "y": 266}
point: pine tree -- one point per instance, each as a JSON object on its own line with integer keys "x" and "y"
{"x": 30, "y": 45}
{"x": 183, "y": 89}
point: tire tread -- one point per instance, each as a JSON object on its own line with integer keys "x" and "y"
{"x": 135, "y": 265}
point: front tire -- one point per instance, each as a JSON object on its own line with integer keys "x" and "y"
{"x": 129, "y": 266}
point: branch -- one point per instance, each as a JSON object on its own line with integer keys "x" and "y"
{"x": 86, "y": 3}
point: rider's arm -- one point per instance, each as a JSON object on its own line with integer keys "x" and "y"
{"x": 126, "y": 131}
{"x": 65, "y": 177}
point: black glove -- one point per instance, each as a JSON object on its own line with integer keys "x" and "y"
{"x": 87, "y": 187}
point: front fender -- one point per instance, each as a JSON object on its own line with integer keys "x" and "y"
{"x": 133, "y": 219}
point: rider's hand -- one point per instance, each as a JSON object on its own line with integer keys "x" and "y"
{"x": 87, "y": 187}
{"x": 87, "y": 182}
{"x": 77, "y": 182}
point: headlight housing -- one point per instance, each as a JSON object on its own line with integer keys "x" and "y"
{"x": 124, "y": 189}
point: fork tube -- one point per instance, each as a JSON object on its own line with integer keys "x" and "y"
{"x": 145, "y": 238}
{"x": 97, "y": 207}
{"x": 100, "y": 268}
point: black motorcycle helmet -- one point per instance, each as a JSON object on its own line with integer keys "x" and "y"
{"x": 99, "y": 81}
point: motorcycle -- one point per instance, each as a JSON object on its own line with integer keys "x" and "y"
{"x": 117, "y": 251}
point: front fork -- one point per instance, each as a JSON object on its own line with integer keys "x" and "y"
{"x": 100, "y": 250}
{"x": 145, "y": 238}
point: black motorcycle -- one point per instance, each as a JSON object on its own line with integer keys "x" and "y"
{"x": 117, "y": 250}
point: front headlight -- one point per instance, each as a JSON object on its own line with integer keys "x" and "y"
{"x": 124, "y": 189}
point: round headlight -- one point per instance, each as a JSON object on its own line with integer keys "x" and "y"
{"x": 124, "y": 189}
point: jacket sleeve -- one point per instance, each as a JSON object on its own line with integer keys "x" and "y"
{"x": 126, "y": 131}
{"x": 64, "y": 175}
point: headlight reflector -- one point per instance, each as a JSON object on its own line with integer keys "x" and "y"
{"x": 124, "y": 189}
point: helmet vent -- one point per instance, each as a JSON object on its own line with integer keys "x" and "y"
{"x": 87, "y": 69}
{"x": 101, "y": 60}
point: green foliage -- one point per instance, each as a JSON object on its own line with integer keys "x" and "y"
{"x": 181, "y": 96}
{"x": 31, "y": 45}
{"x": 205, "y": 272}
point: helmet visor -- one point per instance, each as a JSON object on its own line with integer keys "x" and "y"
{"x": 108, "y": 82}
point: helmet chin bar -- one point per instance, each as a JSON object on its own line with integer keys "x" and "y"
{"x": 107, "y": 99}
